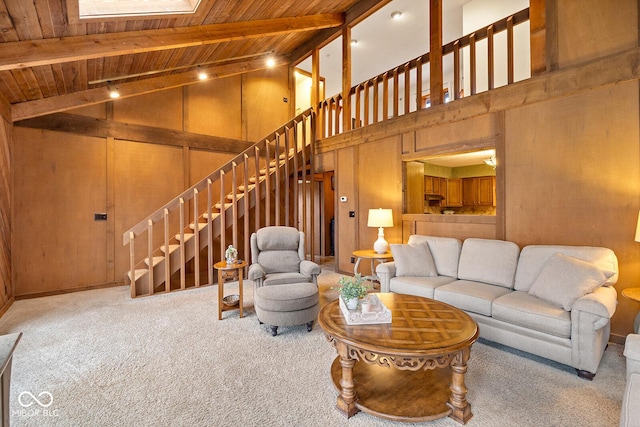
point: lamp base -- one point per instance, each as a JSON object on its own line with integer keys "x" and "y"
{"x": 381, "y": 246}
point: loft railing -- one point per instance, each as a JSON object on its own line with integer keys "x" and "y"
{"x": 399, "y": 91}
{"x": 267, "y": 184}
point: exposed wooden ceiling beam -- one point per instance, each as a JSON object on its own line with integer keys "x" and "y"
{"x": 354, "y": 15}
{"x": 55, "y": 104}
{"x": 32, "y": 53}
{"x": 99, "y": 128}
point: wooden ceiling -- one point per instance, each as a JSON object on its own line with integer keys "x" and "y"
{"x": 51, "y": 61}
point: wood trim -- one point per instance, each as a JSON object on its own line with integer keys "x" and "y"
{"x": 500, "y": 146}
{"x": 54, "y": 104}
{"x": 617, "y": 68}
{"x": 89, "y": 126}
{"x": 435, "y": 54}
{"x": 33, "y": 53}
{"x": 346, "y": 78}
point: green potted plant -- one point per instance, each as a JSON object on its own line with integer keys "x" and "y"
{"x": 351, "y": 289}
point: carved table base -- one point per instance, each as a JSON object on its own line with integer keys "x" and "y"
{"x": 410, "y": 370}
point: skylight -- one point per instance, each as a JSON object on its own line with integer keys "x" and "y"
{"x": 122, "y": 8}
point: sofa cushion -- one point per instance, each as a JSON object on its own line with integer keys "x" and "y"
{"x": 489, "y": 261}
{"x": 444, "y": 250}
{"x": 470, "y": 296}
{"x": 522, "y": 309}
{"x": 413, "y": 260}
{"x": 420, "y": 286}
{"x": 533, "y": 258}
{"x": 564, "y": 279}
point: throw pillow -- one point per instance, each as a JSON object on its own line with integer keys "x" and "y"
{"x": 564, "y": 279}
{"x": 413, "y": 260}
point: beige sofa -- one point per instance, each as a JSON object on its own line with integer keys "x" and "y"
{"x": 552, "y": 301}
{"x": 630, "y": 414}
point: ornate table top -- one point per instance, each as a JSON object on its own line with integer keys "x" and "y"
{"x": 420, "y": 327}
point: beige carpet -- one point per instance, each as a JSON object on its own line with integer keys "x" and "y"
{"x": 108, "y": 360}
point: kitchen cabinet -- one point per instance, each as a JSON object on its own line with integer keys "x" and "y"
{"x": 469, "y": 191}
{"x": 486, "y": 191}
{"x": 479, "y": 191}
{"x": 454, "y": 192}
{"x": 432, "y": 185}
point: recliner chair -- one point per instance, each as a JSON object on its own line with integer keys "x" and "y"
{"x": 286, "y": 284}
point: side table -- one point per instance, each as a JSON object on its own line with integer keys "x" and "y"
{"x": 633, "y": 294}
{"x": 229, "y": 271}
{"x": 372, "y": 255}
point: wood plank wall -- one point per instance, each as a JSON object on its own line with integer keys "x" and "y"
{"x": 6, "y": 283}
{"x": 62, "y": 179}
{"x": 568, "y": 144}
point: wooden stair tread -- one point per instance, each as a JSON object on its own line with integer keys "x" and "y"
{"x": 171, "y": 248}
{"x": 201, "y": 225}
{"x": 187, "y": 236}
{"x": 253, "y": 179}
{"x": 214, "y": 215}
{"x": 156, "y": 260}
{"x": 250, "y": 187}
{"x": 138, "y": 273}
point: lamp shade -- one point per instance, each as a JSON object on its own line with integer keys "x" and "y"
{"x": 380, "y": 218}
{"x": 637, "y": 239}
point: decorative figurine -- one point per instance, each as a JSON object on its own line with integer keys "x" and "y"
{"x": 231, "y": 255}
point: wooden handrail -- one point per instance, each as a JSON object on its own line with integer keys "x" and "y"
{"x": 187, "y": 194}
{"x": 331, "y": 108}
{"x": 273, "y": 157}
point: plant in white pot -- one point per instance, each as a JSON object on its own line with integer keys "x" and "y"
{"x": 351, "y": 289}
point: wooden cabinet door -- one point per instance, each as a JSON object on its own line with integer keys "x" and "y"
{"x": 486, "y": 191}
{"x": 454, "y": 192}
{"x": 428, "y": 185}
{"x": 469, "y": 191}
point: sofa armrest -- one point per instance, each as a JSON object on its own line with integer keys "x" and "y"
{"x": 385, "y": 271}
{"x": 632, "y": 353}
{"x": 309, "y": 268}
{"x": 601, "y": 302}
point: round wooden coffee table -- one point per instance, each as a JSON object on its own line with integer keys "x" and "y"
{"x": 409, "y": 370}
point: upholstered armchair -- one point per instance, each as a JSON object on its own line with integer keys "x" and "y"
{"x": 277, "y": 257}
{"x": 286, "y": 285}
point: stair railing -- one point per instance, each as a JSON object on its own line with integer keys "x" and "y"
{"x": 381, "y": 97}
{"x": 260, "y": 179}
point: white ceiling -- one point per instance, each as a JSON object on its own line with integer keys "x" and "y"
{"x": 379, "y": 38}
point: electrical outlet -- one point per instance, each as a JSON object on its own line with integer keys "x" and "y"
{"x": 352, "y": 214}
{"x": 100, "y": 217}
{"x": 353, "y": 260}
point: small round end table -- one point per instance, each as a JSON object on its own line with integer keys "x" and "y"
{"x": 229, "y": 271}
{"x": 633, "y": 294}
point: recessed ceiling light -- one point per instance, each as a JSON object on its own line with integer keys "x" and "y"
{"x": 271, "y": 62}
{"x": 202, "y": 75}
{"x": 113, "y": 91}
{"x": 396, "y": 14}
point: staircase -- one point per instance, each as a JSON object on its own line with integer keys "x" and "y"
{"x": 267, "y": 184}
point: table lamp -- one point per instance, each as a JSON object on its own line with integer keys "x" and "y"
{"x": 380, "y": 218}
